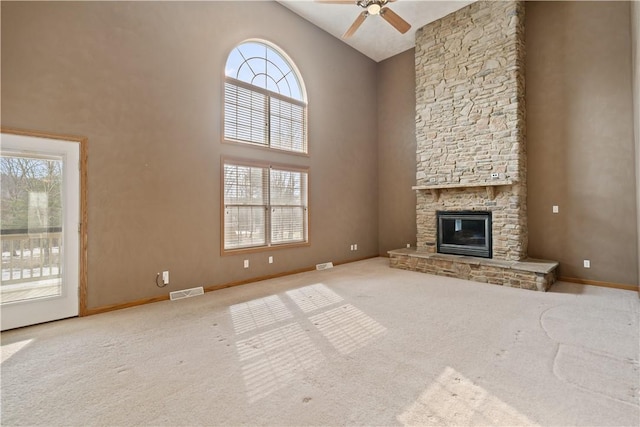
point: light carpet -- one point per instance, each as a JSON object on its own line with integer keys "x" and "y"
{"x": 359, "y": 344}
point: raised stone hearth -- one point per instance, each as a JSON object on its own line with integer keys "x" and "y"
{"x": 532, "y": 274}
{"x": 471, "y": 147}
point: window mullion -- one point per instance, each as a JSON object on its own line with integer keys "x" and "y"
{"x": 268, "y": 121}
{"x": 267, "y": 221}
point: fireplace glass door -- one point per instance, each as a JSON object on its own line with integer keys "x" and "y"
{"x": 464, "y": 233}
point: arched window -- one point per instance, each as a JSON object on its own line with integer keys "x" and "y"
{"x": 264, "y": 99}
{"x": 265, "y": 205}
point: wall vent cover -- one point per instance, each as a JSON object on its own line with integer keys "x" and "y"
{"x": 324, "y": 266}
{"x": 186, "y": 293}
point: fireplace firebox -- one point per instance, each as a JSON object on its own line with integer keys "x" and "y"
{"x": 464, "y": 233}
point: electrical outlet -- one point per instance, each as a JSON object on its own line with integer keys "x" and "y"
{"x": 587, "y": 263}
{"x": 355, "y": 247}
{"x": 351, "y": 247}
{"x": 165, "y": 277}
{"x": 408, "y": 245}
{"x": 270, "y": 260}
{"x": 555, "y": 209}
{"x": 246, "y": 263}
{"x": 495, "y": 176}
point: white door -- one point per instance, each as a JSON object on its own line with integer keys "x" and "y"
{"x": 40, "y": 189}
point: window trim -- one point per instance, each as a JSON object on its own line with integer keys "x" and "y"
{"x": 261, "y": 164}
{"x": 284, "y": 55}
{"x": 304, "y": 101}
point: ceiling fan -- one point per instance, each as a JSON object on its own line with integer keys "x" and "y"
{"x": 372, "y": 7}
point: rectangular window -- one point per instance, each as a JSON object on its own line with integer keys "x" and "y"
{"x": 264, "y": 206}
{"x": 258, "y": 116}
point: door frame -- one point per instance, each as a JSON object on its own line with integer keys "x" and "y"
{"x": 82, "y": 237}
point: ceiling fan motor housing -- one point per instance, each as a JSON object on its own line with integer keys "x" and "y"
{"x": 373, "y": 6}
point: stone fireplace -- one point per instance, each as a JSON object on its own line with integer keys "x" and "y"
{"x": 471, "y": 151}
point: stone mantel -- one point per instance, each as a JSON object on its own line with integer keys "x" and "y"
{"x": 489, "y": 186}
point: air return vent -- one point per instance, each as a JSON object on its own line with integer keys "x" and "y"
{"x": 324, "y": 266}
{"x": 186, "y": 293}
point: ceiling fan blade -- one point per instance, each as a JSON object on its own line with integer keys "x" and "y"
{"x": 394, "y": 19}
{"x": 356, "y": 24}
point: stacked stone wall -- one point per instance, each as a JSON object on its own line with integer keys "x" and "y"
{"x": 470, "y": 121}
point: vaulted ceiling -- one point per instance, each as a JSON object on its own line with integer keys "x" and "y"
{"x": 375, "y": 38}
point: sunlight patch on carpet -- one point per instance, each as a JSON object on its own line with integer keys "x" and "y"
{"x": 347, "y": 328}
{"x": 258, "y": 313}
{"x": 275, "y": 358}
{"x": 455, "y": 400}
{"x": 8, "y": 350}
{"x": 313, "y": 297}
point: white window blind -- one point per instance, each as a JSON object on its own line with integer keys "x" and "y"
{"x": 256, "y": 115}
{"x": 245, "y": 114}
{"x": 288, "y": 127}
{"x": 264, "y": 206}
{"x": 245, "y": 206}
{"x": 288, "y": 192}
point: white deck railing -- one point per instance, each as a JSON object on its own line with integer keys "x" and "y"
{"x": 30, "y": 257}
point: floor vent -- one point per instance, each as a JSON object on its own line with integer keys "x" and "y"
{"x": 324, "y": 266}
{"x": 186, "y": 293}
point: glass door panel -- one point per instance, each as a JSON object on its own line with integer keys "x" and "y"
{"x": 31, "y": 230}
{"x": 38, "y": 230}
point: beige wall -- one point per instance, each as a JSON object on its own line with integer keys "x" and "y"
{"x": 580, "y": 139}
{"x": 635, "y": 29}
{"x": 396, "y": 152}
{"x": 143, "y": 82}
